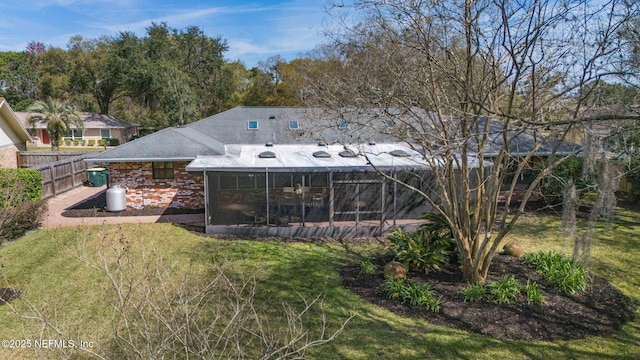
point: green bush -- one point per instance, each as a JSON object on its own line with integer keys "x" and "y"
{"x": 91, "y": 142}
{"x": 76, "y": 142}
{"x": 396, "y": 289}
{"x": 114, "y": 142}
{"x": 559, "y": 271}
{"x": 67, "y": 142}
{"x": 21, "y": 206}
{"x": 506, "y": 290}
{"x": 367, "y": 268}
{"x": 475, "y": 293}
{"x": 102, "y": 142}
{"x": 552, "y": 186}
{"x": 533, "y": 292}
{"x": 29, "y": 182}
{"x": 419, "y": 295}
{"x": 429, "y": 247}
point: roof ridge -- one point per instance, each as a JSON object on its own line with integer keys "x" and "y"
{"x": 205, "y": 144}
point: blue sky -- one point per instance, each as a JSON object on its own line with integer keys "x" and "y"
{"x": 254, "y": 30}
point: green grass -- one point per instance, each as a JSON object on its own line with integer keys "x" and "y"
{"x": 45, "y": 266}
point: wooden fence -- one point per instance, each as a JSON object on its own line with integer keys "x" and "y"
{"x": 30, "y": 159}
{"x": 63, "y": 175}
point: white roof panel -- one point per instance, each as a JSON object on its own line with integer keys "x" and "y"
{"x": 300, "y": 157}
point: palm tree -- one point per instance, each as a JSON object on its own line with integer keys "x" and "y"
{"x": 59, "y": 115}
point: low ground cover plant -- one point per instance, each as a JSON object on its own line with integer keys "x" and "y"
{"x": 419, "y": 295}
{"x": 560, "y": 271}
{"x": 504, "y": 291}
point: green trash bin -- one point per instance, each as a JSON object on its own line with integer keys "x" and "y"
{"x": 97, "y": 176}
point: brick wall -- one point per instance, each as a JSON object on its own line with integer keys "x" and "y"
{"x": 183, "y": 191}
{"x": 8, "y": 155}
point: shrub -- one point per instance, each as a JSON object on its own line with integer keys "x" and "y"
{"x": 102, "y": 142}
{"x": 91, "y": 142}
{"x": 367, "y": 268}
{"x": 27, "y": 181}
{"x": 533, "y": 292}
{"x": 114, "y": 142}
{"x": 422, "y": 295}
{"x": 552, "y": 186}
{"x": 506, "y": 290}
{"x": 559, "y": 271}
{"x": 83, "y": 142}
{"x": 20, "y": 205}
{"x": 67, "y": 142}
{"x": 418, "y": 295}
{"x": 474, "y": 293}
{"x": 429, "y": 247}
{"x": 396, "y": 289}
{"x": 76, "y": 142}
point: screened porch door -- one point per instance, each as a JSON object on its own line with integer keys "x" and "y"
{"x": 358, "y": 201}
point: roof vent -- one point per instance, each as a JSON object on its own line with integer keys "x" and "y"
{"x": 348, "y": 154}
{"x": 267, "y": 155}
{"x": 272, "y": 117}
{"x": 399, "y": 153}
{"x": 322, "y": 143}
{"x": 321, "y": 154}
{"x": 269, "y": 144}
{"x": 371, "y": 142}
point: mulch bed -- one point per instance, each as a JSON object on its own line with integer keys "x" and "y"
{"x": 8, "y": 294}
{"x": 601, "y": 310}
{"x": 97, "y": 207}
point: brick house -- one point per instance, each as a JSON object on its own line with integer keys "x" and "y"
{"x": 13, "y": 136}
{"x": 281, "y": 171}
{"x": 276, "y": 166}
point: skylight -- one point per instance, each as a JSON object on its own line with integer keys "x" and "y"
{"x": 293, "y": 125}
{"x": 348, "y": 154}
{"x": 399, "y": 153}
{"x": 342, "y": 124}
{"x": 252, "y": 124}
{"x": 267, "y": 155}
{"x": 321, "y": 154}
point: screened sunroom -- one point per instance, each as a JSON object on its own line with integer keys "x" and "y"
{"x": 311, "y": 190}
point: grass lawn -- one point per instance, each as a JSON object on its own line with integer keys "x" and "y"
{"x": 45, "y": 266}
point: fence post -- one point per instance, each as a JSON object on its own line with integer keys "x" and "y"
{"x": 52, "y": 172}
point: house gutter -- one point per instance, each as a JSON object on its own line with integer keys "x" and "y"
{"x": 142, "y": 159}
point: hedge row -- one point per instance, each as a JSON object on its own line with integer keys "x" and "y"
{"x": 29, "y": 182}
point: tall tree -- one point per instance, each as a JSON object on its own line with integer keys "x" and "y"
{"x": 463, "y": 82}
{"x": 59, "y": 115}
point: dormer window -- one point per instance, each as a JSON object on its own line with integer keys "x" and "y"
{"x": 342, "y": 124}
{"x": 293, "y": 125}
{"x": 252, "y": 125}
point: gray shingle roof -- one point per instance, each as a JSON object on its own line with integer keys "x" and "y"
{"x": 178, "y": 143}
{"x": 210, "y": 135}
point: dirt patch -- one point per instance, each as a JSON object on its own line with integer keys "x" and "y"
{"x": 601, "y": 310}
{"x": 8, "y": 294}
{"x": 96, "y": 206}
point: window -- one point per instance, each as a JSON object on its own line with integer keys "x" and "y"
{"x": 293, "y": 125}
{"x": 73, "y": 134}
{"x": 252, "y": 124}
{"x": 388, "y": 122}
{"x": 105, "y": 133}
{"x": 162, "y": 169}
{"x": 342, "y": 124}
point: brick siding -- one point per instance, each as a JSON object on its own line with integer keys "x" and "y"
{"x": 185, "y": 191}
{"x": 8, "y": 155}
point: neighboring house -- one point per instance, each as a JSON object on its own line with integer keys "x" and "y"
{"x": 96, "y": 127}
{"x": 13, "y": 136}
{"x": 254, "y": 166}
